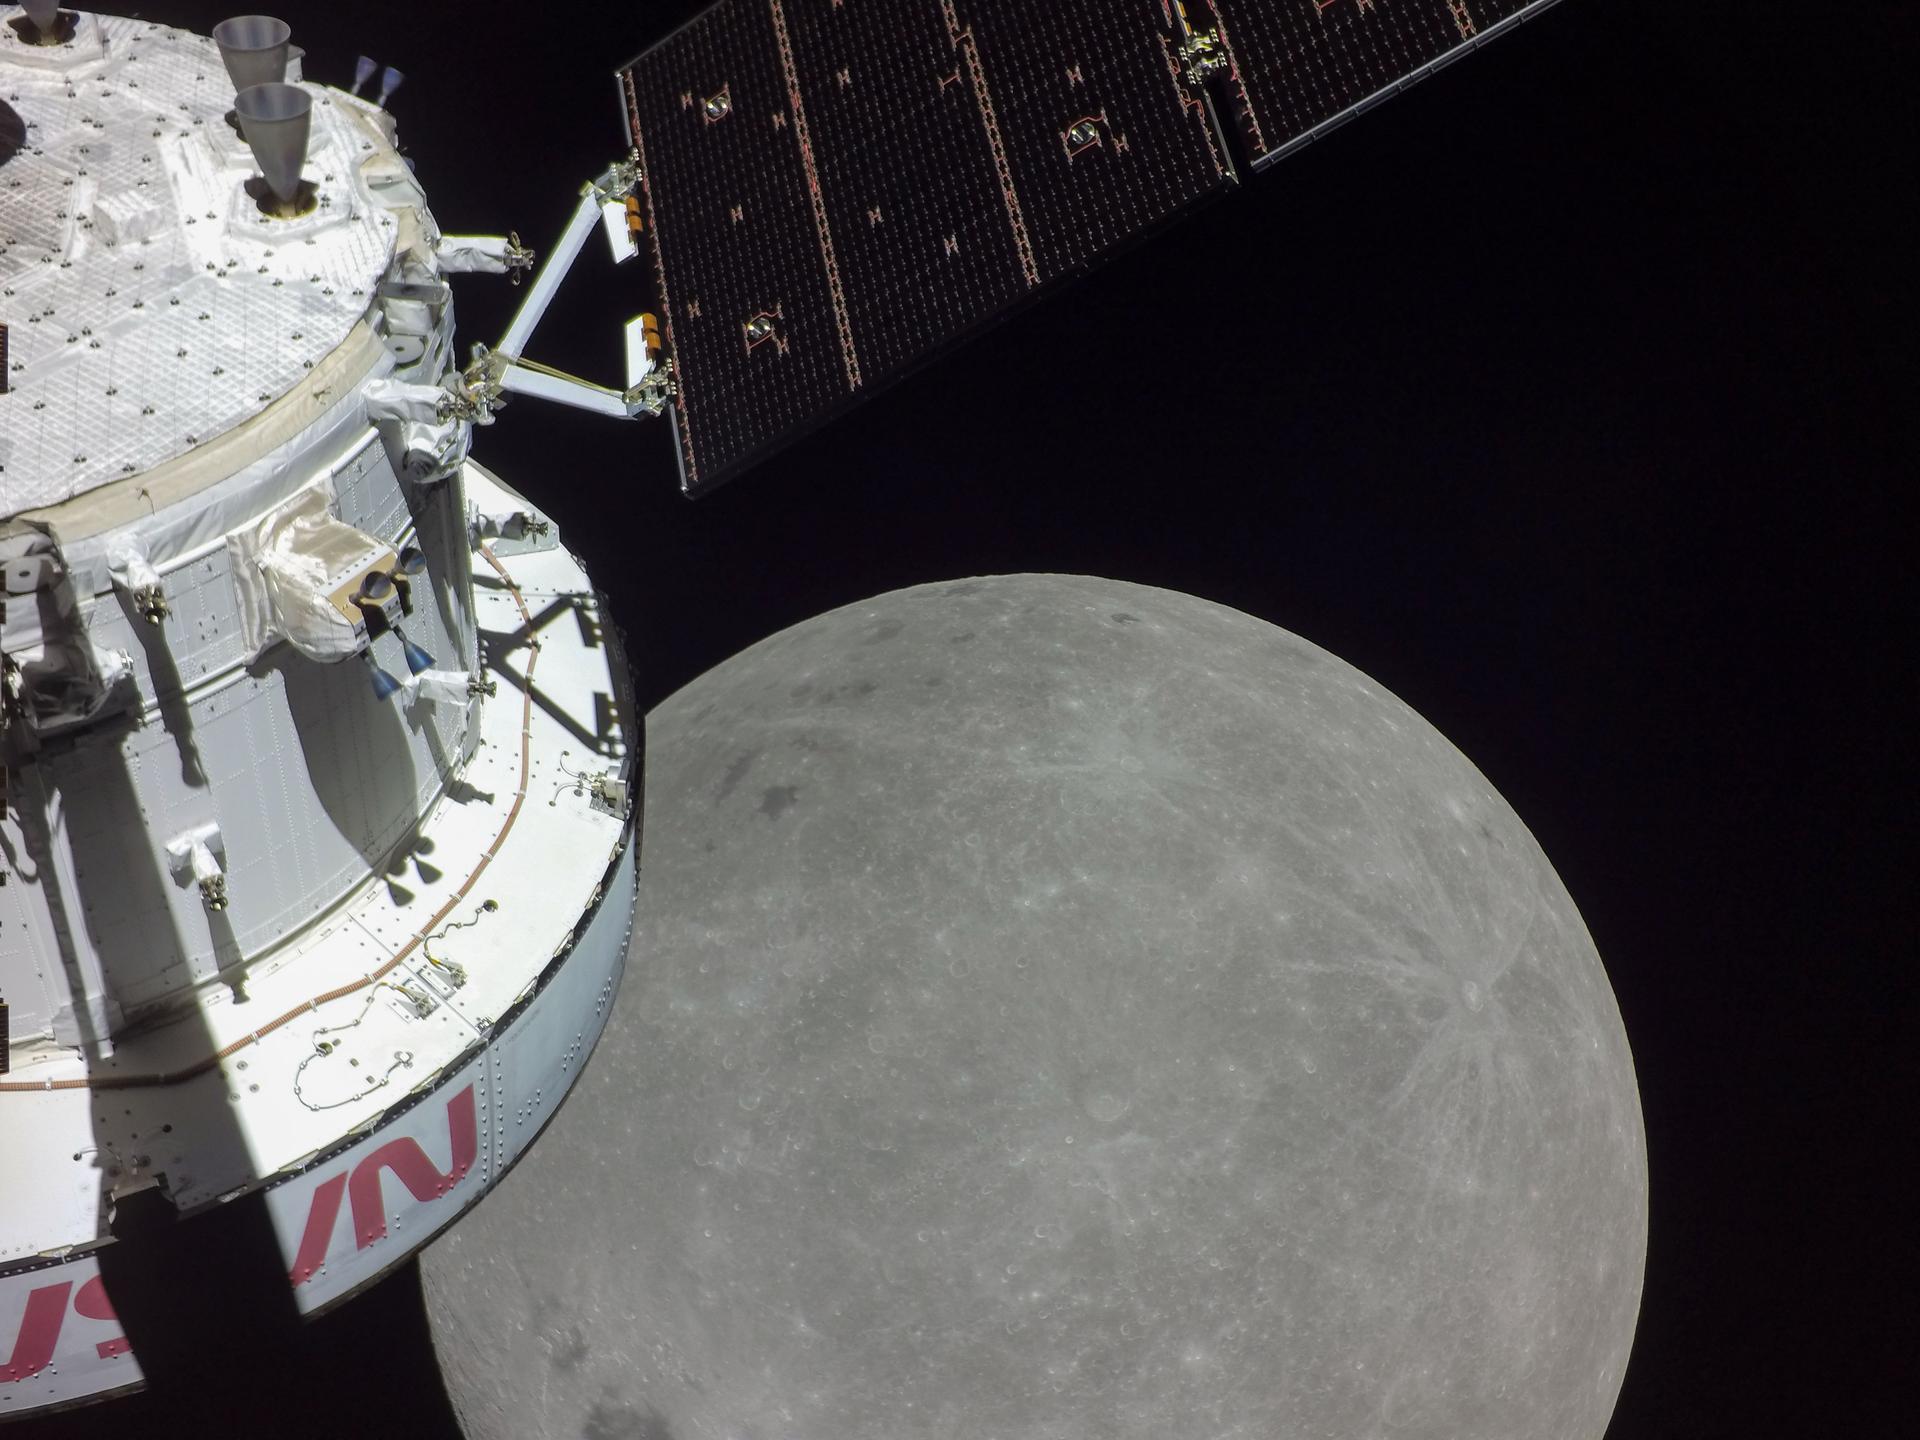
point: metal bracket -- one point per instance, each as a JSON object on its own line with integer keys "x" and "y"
{"x": 12, "y": 692}
{"x": 609, "y": 793}
{"x": 151, "y": 602}
{"x": 494, "y": 374}
{"x": 519, "y": 258}
{"x": 197, "y": 854}
{"x": 1202, "y": 56}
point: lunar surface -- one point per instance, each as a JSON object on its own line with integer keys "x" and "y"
{"x": 1061, "y": 1008}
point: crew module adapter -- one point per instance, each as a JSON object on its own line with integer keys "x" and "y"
{"x": 320, "y": 767}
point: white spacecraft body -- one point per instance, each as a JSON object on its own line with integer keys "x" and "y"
{"x": 310, "y": 881}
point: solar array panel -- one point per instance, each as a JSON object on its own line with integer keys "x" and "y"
{"x": 837, "y": 190}
{"x": 1297, "y": 68}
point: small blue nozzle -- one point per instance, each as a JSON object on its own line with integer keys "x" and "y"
{"x": 384, "y": 685}
{"x": 363, "y": 69}
{"x": 417, "y": 659}
{"x": 390, "y": 81}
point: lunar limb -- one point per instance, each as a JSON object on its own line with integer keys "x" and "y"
{"x": 1064, "y": 1008}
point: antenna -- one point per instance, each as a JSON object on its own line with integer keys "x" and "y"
{"x": 45, "y": 16}
{"x": 254, "y": 49}
{"x": 276, "y": 120}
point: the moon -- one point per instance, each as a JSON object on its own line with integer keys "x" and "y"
{"x": 1062, "y": 1008}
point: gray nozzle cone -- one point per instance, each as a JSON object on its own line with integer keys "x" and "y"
{"x": 41, "y": 13}
{"x": 254, "y": 48}
{"x": 275, "y": 119}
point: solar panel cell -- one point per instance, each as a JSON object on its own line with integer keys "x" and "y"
{"x": 839, "y": 191}
{"x": 745, "y": 305}
{"x": 1299, "y": 67}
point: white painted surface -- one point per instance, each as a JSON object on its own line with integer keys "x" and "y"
{"x": 310, "y": 777}
{"x": 181, "y": 366}
{"x": 353, "y": 1216}
{"x": 149, "y": 306}
{"x": 279, "y": 1107}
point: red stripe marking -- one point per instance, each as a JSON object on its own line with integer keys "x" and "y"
{"x": 832, "y": 263}
{"x": 39, "y": 1333}
{"x": 983, "y": 97}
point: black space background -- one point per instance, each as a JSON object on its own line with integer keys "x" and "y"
{"x": 1566, "y": 395}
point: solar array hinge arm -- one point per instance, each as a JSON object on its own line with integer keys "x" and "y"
{"x": 505, "y": 369}
{"x": 1202, "y": 56}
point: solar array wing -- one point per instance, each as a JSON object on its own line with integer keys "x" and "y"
{"x": 1297, "y": 68}
{"x": 839, "y": 189}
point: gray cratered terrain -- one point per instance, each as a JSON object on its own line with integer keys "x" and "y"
{"x": 1062, "y": 1008}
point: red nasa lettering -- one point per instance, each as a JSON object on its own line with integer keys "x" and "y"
{"x": 410, "y": 1166}
{"x": 40, "y": 1326}
{"x": 45, "y": 1316}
